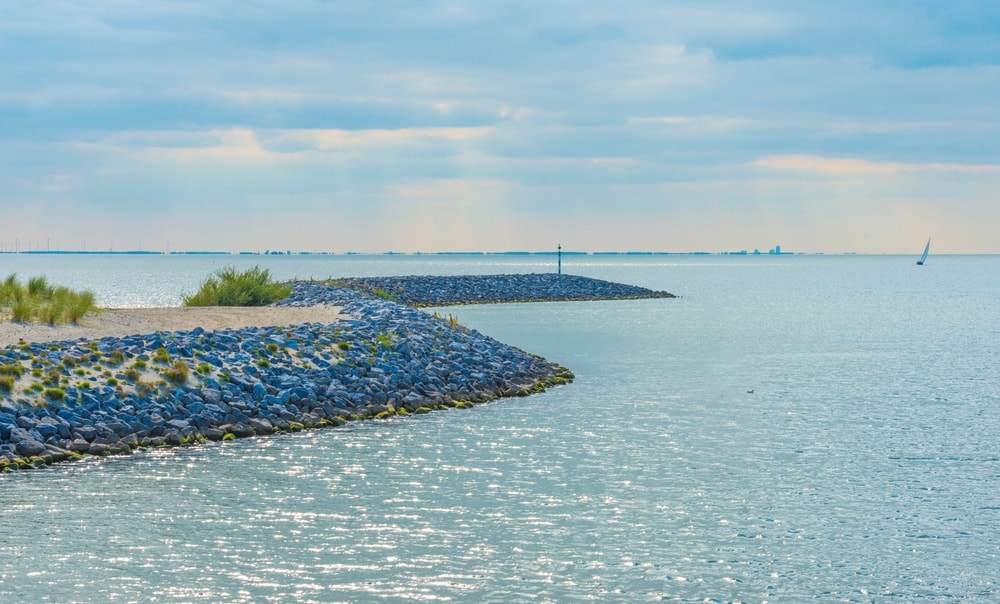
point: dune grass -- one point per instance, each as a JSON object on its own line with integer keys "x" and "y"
{"x": 39, "y": 301}
{"x": 229, "y": 287}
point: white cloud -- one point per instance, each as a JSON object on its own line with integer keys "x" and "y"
{"x": 699, "y": 123}
{"x": 855, "y": 166}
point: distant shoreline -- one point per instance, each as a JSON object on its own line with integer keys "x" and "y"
{"x": 542, "y": 253}
{"x": 389, "y": 253}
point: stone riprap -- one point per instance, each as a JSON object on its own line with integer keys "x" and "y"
{"x": 419, "y": 291}
{"x": 64, "y": 400}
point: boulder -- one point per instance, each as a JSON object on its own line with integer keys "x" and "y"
{"x": 211, "y": 396}
{"x": 261, "y": 426}
{"x": 29, "y": 448}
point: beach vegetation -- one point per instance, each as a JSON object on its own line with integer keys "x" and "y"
{"x": 378, "y": 292}
{"x": 160, "y": 355}
{"x": 51, "y": 313}
{"x": 79, "y": 305}
{"x": 6, "y": 383}
{"x": 116, "y": 357}
{"x": 178, "y": 373}
{"x": 143, "y": 389}
{"x": 22, "y": 310}
{"x": 55, "y": 394}
{"x": 203, "y": 368}
{"x": 37, "y": 300}
{"x": 451, "y": 320}
{"x": 139, "y": 364}
{"x": 12, "y": 369}
{"x": 230, "y": 287}
{"x": 52, "y": 378}
{"x": 37, "y": 285}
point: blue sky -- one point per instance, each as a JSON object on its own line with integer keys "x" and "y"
{"x": 714, "y": 125}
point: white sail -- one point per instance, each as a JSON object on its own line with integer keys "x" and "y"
{"x": 923, "y": 257}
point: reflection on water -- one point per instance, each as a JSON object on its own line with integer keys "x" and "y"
{"x": 862, "y": 468}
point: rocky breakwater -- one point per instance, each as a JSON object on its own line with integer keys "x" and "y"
{"x": 65, "y": 400}
{"x": 490, "y": 289}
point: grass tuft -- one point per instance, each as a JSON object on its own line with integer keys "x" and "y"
{"x": 178, "y": 374}
{"x": 160, "y": 355}
{"x": 40, "y": 301}
{"x": 229, "y": 287}
{"x": 55, "y": 394}
{"x": 12, "y": 370}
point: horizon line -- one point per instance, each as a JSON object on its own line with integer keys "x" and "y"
{"x": 772, "y": 252}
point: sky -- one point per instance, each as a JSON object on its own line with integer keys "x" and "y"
{"x": 863, "y": 126}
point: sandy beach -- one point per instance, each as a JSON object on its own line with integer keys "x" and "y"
{"x": 120, "y": 322}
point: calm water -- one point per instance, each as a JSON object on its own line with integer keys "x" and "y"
{"x": 864, "y": 467}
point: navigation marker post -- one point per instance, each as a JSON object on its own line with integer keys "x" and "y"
{"x": 559, "y": 259}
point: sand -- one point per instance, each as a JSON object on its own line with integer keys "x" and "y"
{"x": 120, "y": 322}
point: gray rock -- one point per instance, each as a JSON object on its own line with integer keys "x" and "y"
{"x": 211, "y": 396}
{"x": 261, "y": 426}
{"x": 29, "y": 448}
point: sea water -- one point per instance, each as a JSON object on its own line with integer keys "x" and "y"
{"x": 791, "y": 428}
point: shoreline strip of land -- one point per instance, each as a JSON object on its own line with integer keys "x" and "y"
{"x": 132, "y": 379}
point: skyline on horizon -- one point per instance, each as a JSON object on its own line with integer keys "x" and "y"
{"x": 776, "y": 250}
{"x": 679, "y": 126}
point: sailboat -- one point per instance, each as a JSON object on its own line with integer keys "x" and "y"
{"x": 923, "y": 257}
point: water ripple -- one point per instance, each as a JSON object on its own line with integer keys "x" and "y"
{"x": 846, "y": 476}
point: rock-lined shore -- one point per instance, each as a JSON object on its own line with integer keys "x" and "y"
{"x": 116, "y": 394}
{"x": 419, "y": 291}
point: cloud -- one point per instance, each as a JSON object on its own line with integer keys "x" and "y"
{"x": 540, "y": 118}
{"x": 853, "y": 166}
{"x": 337, "y": 140}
